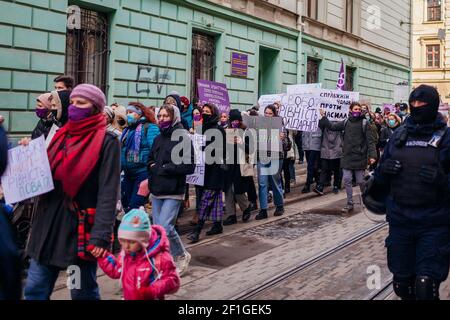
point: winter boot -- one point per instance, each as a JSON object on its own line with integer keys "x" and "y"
{"x": 195, "y": 235}
{"x": 247, "y": 214}
{"x": 279, "y": 211}
{"x": 216, "y": 229}
{"x": 306, "y": 189}
{"x": 319, "y": 190}
{"x": 230, "y": 220}
{"x": 261, "y": 215}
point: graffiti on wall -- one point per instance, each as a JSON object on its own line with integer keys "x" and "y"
{"x": 147, "y": 74}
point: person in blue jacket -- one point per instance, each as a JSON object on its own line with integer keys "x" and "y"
{"x": 137, "y": 141}
{"x": 415, "y": 170}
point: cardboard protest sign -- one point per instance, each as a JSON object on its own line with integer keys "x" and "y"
{"x": 198, "y": 177}
{"x": 300, "y": 112}
{"x": 215, "y": 93}
{"x": 28, "y": 173}
{"x": 268, "y": 99}
{"x": 302, "y": 88}
{"x": 267, "y": 131}
{"x": 336, "y": 103}
{"x": 389, "y": 106}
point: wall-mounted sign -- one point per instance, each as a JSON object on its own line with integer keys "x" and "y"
{"x": 239, "y": 64}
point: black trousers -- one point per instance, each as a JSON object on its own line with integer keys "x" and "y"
{"x": 251, "y": 190}
{"x": 328, "y": 167}
{"x": 287, "y": 175}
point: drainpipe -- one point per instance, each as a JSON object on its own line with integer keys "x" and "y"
{"x": 299, "y": 41}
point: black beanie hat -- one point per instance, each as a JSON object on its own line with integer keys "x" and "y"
{"x": 427, "y": 94}
{"x": 235, "y": 115}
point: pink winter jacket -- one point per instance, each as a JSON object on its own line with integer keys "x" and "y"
{"x": 141, "y": 280}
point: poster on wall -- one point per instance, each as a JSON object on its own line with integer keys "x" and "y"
{"x": 215, "y": 93}
{"x": 239, "y": 64}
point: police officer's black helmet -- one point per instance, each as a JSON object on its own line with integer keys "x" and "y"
{"x": 374, "y": 196}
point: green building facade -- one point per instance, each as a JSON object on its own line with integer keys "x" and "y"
{"x": 148, "y": 53}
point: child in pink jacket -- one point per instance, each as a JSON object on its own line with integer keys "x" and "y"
{"x": 145, "y": 265}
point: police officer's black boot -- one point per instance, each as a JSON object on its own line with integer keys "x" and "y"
{"x": 195, "y": 235}
{"x": 216, "y": 229}
{"x": 427, "y": 288}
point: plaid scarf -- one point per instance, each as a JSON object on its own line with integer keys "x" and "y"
{"x": 133, "y": 143}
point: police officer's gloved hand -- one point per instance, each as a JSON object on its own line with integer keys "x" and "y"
{"x": 429, "y": 174}
{"x": 391, "y": 167}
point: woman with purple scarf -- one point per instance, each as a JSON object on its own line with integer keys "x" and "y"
{"x": 137, "y": 141}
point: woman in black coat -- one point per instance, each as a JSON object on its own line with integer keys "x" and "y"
{"x": 211, "y": 204}
{"x": 73, "y": 224}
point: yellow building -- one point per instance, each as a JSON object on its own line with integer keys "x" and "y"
{"x": 431, "y": 45}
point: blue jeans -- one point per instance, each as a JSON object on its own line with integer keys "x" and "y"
{"x": 130, "y": 188}
{"x": 165, "y": 212}
{"x": 41, "y": 281}
{"x": 274, "y": 180}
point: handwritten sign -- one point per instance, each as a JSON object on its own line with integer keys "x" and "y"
{"x": 215, "y": 93}
{"x": 198, "y": 177}
{"x": 336, "y": 103}
{"x": 388, "y": 106}
{"x": 267, "y": 100}
{"x": 300, "y": 112}
{"x": 239, "y": 64}
{"x": 28, "y": 173}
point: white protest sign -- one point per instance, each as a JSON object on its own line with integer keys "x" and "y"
{"x": 198, "y": 177}
{"x": 268, "y": 99}
{"x": 300, "y": 112}
{"x": 336, "y": 103}
{"x": 28, "y": 173}
{"x": 303, "y": 88}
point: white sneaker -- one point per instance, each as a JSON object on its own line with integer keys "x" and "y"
{"x": 183, "y": 263}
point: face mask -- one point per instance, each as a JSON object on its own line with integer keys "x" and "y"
{"x": 223, "y": 122}
{"x": 206, "y": 117}
{"x": 367, "y": 116}
{"x": 356, "y": 114}
{"x": 236, "y": 124}
{"x": 41, "y": 113}
{"x": 163, "y": 125}
{"x": 392, "y": 123}
{"x": 78, "y": 114}
{"x": 131, "y": 119}
{"x": 423, "y": 115}
{"x": 197, "y": 117}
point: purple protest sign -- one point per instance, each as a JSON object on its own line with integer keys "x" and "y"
{"x": 215, "y": 93}
{"x": 239, "y": 64}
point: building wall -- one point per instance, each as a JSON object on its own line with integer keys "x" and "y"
{"x": 152, "y": 33}
{"x": 32, "y": 49}
{"x": 426, "y": 33}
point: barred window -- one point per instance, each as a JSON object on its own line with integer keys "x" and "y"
{"x": 312, "y": 74}
{"x": 349, "y": 78}
{"x": 203, "y": 59}
{"x": 87, "y": 50}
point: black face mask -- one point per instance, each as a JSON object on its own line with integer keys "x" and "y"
{"x": 423, "y": 115}
{"x": 206, "y": 117}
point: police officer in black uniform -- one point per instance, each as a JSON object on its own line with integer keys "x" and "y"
{"x": 415, "y": 168}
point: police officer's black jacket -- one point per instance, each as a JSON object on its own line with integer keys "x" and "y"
{"x": 411, "y": 199}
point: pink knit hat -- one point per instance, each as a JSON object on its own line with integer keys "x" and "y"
{"x": 90, "y": 93}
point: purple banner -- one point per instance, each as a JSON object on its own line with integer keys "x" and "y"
{"x": 239, "y": 64}
{"x": 215, "y": 93}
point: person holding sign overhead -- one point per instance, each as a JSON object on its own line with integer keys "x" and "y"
{"x": 359, "y": 148}
{"x": 73, "y": 223}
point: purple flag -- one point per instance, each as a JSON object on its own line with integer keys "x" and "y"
{"x": 341, "y": 79}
